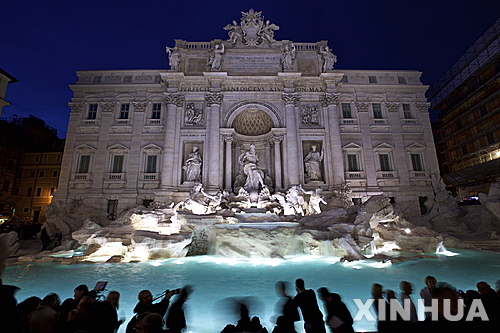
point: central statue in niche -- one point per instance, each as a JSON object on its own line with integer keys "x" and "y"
{"x": 253, "y": 181}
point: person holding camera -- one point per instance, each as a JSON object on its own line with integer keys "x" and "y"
{"x": 146, "y": 305}
{"x": 176, "y": 320}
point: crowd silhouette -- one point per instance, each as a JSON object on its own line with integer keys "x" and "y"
{"x": 89, "y": 311}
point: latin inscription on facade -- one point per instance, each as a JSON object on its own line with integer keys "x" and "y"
{"x": 251, "y": 63}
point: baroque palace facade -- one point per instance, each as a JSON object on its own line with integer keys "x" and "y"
{"x": 133, "y": 134}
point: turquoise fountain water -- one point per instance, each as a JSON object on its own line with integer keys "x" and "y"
{"x": 214, "y": 279}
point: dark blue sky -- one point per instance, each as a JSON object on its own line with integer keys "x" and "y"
{"x": 43, "y": 43}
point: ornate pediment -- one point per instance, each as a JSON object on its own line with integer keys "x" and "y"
{"x": 351, "y": 145}
{"x": 252, "y": 30}
{"x": 118, "y": 147}
{"x": 383, "y": 145}
{"x": 152, "y": 147}
{"x": 415, "y": 146}
{"x": 84, "y": 147}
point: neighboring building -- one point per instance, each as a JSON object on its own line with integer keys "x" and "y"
{"x": 131, "y": 131}
{"x": 39, "y": 170}
{"x": 16, "y": 135}
{"x": 467, "y": 98}
{"x": 5, "y": 79}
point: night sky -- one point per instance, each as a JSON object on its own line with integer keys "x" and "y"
{"x": 43, "y": 43}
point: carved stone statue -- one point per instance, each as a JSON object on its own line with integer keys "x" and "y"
{"x": 294, "y": 198}
{"x": 313, "y": 165}
{"x": 193, "y": 116}
{"x": 255, "y": 176}
{"x": 287, "y": 56}
{"x": 252, "y": 31}
{"x": 215, "y": 60}
{"x": 310, "y": 115}
{"x": 316, "y": 198}
{"x": 285, "y": 205}
{"x": 267, "y": 31}
{"x": 199, "y": 202}
{"x": 234, "y": 31}
{"x": 329, "y": 59}
{"x": 174, "y": 58}
{"x": 192, "y": 166}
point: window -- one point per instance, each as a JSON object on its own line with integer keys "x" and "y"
{"x": 416, "y": 162}
{"x": 58, "y": 158}
{"x": 112, "y": 209}
{"x": 10, "y": 165}
{"x": 464, "y": 149}
{"x": 38, "y": 191}
{"x": 151, "y": 164}
{"x": 475, "y": 83}
{"x": 346, "y": 110}
{"x": 490, "y": 138}
{"x": 352, "y": 162}
{"x": 117, "y": 164}
{"x": 372, "y": 79}
{"x": 37, "y": 158}
{"x": 124, "y": 111}
{"x": 97, "y": 79}
{"x": 458, "y": 125}
{"x": 16, "y": 191}
{"x": 92, "y": 113}
{"x": 30, "y": 192}
{"x": 83, "y": 165}
{"x": 483, "y": 110}
{"x": 402, "y": 80}
{"x": 45, "y": 158}
{"x": 377, "y": 111}
{"x": 384, "y": 162}
{"x": 52, "y": 190}
{"x": 54, "y": 173}
{"x": 32, "y": 174}
{"x": 407, "y": 111}
{"x": 41, "y": 174}
{"x": 26, "y": 210}
{"x": 6, "y": 185}
{"x": 157, "y": 78}
{"x": 156, "y": 111}
{"x": 344, "y": 79}
{"x": 127, "y": 79}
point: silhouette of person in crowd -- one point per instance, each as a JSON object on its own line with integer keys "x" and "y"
{"x": 338, "y": 316}
{"x": 285, "y": 308}
{"x": 146, "y": 305}
{"x": 306, "y": 301}
{"x": 176, "y": 320}
{"x": 426, "y": 292}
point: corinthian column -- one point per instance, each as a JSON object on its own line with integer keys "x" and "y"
{"x": 291, "y": 101}
{"x": 330, "y": 101}
{"x": 173, "y": 101}
{"x": 214, "y": 101}
{"x": 228, "y": 140}
{"x": 277, "y": 161}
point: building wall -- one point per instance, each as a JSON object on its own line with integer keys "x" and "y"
{"x": 39, "y": 176}
{"x": 17, "y": 135}
{"x": 305, "y": 110}
{"x": 468, "y": 128}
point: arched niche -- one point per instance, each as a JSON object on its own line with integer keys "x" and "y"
{"x": 264, "y": 115}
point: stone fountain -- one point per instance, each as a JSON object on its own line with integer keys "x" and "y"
{"x": 254, "y": 221}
